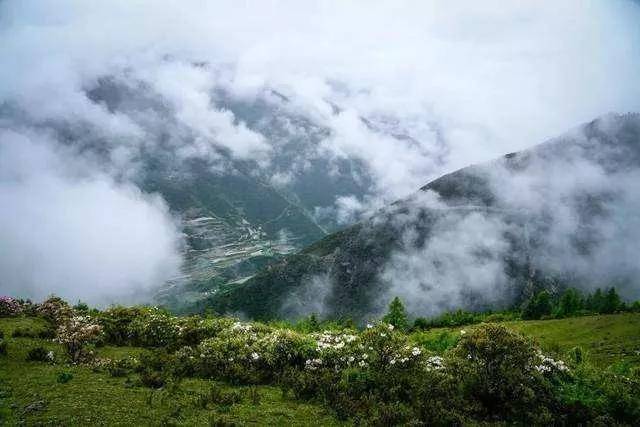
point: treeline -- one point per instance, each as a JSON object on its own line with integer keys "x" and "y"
{"x": 572, "y": 302}
{"x": 542, "y": 305}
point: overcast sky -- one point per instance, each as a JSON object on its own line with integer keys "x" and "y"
{"x": 467, "y": 80}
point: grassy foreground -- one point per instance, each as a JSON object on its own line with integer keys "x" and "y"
{"x": 33, "y": 393}
{"x": 30, "y": 394}
{"x": 606, "y": 339}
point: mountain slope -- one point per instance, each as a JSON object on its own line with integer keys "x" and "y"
{"x": 561, "y": 213}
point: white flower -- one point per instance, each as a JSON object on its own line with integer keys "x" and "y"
{"x": 415, "y": 351}
{"x": 390, "y": 327}
{"x": 255, "y": 356}
{"x": 462, "y": 332}
{"x": 369, "y": 326}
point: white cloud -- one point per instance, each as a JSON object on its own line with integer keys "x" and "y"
{"x": 75, "y": 234}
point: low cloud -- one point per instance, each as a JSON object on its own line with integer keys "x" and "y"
{"x": 387, "y": 95}
{"x": 78, "y": 235}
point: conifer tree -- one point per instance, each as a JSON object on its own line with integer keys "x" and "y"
{"x": 397, "y": 315}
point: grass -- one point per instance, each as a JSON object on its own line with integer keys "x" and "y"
{"x": 31, "y": 394}
{"x": 607, "y": 339}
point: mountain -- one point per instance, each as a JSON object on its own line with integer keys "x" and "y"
{"x": 563, "y": 213}
{"x": 235, "y": 215}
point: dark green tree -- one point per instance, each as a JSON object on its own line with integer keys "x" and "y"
{"x": 612, "y": 302}
{"x": 397, "y": 315}
{"x": 537, "y": 306}
{"x": 571, "y": 302}
{"x": 595, "y": 301}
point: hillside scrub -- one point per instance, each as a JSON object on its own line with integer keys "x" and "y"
{"x": 375, "y": 375}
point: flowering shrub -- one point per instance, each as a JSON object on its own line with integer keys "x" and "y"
{"x": 9, "y": 306}
{"x": 115, "y": 323}
{"x": 499, "y": 371}
{"x": 252, "y": 353}
{"x": 74, "y": 334}
{"x": 549, "y": 366}
{"x": 377, "y": 376}
{"x": 156, "y": 328}
{"x": 55, "y": 309}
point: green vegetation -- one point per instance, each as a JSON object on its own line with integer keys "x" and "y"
{"x": 57, "y": 393}
{"x": 218, "y": 371}
{"x": 397, "y": 315}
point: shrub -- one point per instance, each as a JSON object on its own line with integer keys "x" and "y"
{"x": 120, "y": 367}
{"x": 22, "y": 332}
{"x": 502, "y": 372}
{"x": 589, "y": 395}
{"x": 55, "y": 309}
{"x": 115, "y": 323}
{"x": 75, "y": 334}
{"x": 64, "y": 377}
{"x": 39, "y": 354}
{"x": 218, "y": 396}
{"x": 155, "y": 328}
{"x": 152, "y": 379}
{"x": 252, "y": 353}
{"x": 9, "y": 306}
{"x": 3, "y": 347}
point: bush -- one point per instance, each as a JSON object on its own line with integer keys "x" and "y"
{"x": 3, "y": 347}
{"x": 152, "y": 379}
{"x": 501, "y": 372}
{"x": 216, "y": 395}
{"x": 55, "y": 309}
{"x": 39, "y": 354}
{"x": 115, "y": 323}
{"x": 21, "y": 332}
{"x": 252, "y": 353}
{"x": 64, "y": 377}
{"x": 592, "y": 394}
{"x": 155, "y": 328}
{"x": 120, "y": 367}
{"x": 9, "y": 306}
{"x": 75, "y": 334}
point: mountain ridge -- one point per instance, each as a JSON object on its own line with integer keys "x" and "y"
{"x": 347, "y": 265}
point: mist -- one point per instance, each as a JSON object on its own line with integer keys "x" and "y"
{"x": 409, "y": 90}
{"x": 564, "y": 213}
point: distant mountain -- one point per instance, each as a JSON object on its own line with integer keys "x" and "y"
{"x": 235, "y": 218}
{"x": 563, "y": 213}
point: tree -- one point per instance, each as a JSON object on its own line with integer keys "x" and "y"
{"x": 537, "y": 306}
{"x": 612, "y": 302}
{"x": 397, "y": 315}
{"x": 570, "y": 303}
{"x": 595, "y": 301}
